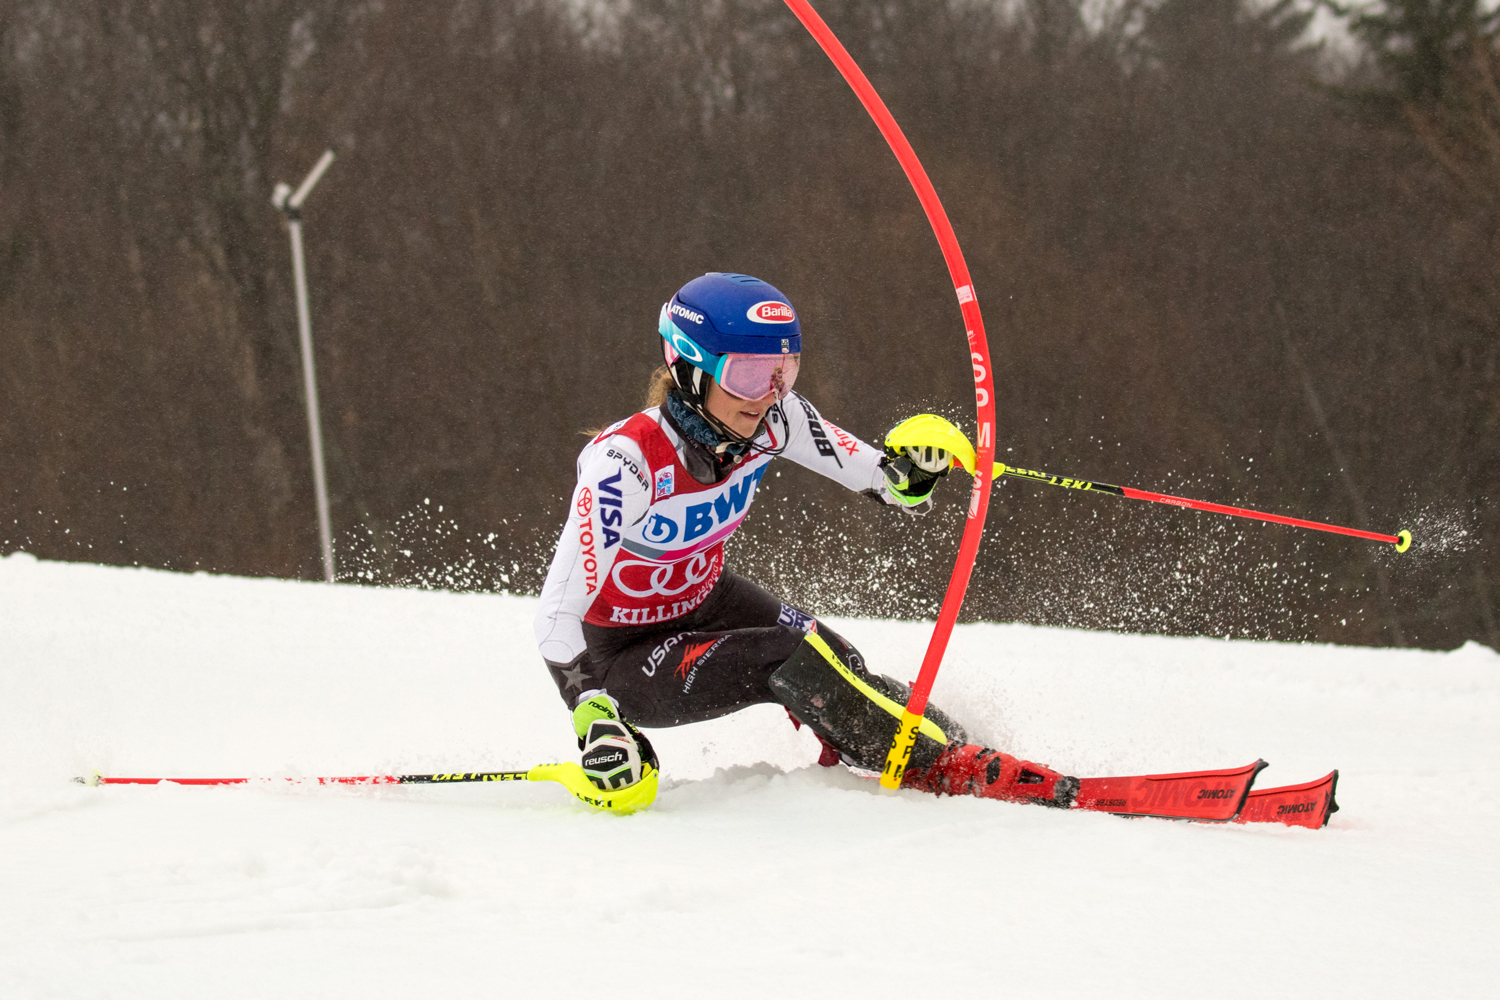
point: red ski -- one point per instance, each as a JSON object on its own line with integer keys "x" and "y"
{"x": 1206, "y": 796}
{"x": 1308, "y": 804}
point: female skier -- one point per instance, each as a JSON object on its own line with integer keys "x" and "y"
{"x": 641, "y": 624}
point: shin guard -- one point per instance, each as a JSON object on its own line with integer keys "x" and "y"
{"x": 854, "y": 711}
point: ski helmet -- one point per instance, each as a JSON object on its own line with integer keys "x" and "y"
{"x": 732, "y": 328}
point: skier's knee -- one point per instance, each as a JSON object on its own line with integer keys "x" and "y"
{"x": 855, "y": 711}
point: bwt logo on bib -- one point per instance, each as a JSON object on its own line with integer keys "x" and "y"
{"x": 701, "y": 518}
{"x": 660, "y": 529}
{"x": 771, "y": 312}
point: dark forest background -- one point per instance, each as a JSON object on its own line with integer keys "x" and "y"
{"x": 1215, "y": 259}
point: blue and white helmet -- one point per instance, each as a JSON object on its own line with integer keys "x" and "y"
{"x": 732, "y": 328}
{"x": 730, "y": 314}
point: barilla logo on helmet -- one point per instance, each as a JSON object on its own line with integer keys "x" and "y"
{"x": 771, "y": 312}
{"x": 677, "y": 309}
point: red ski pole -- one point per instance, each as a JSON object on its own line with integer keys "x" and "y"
{"x": 1402, "y": 539}
{"x": 984, "y": 389}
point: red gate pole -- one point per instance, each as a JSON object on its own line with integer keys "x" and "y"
{"x": 984, "y": 386}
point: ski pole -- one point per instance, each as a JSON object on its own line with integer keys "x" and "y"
{"x": 568, "y": 774}
{"x": 930, "y": 431}
{"x": 365, "y": 779}
{"x": 1402, "y": 539}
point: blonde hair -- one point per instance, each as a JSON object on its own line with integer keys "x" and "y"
{"x": 656, "y": 391}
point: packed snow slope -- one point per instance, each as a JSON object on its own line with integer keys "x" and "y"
{"x": 756, "y": 873}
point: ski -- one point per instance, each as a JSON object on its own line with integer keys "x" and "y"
{"x": 1309, "y": 804}
{"x": 1205, "y": 796}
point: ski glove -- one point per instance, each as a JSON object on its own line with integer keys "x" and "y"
{"x": 912, "y": 472}
{"x": 615, "y": 754}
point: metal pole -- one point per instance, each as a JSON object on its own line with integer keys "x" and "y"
{"x": 292, "y": 207}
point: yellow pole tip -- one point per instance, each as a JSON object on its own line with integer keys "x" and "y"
{"x": 1405, "y": 540}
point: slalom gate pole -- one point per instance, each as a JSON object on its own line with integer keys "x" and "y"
{"x": 984, "y": 387}
{"x": 1401, "y": 540}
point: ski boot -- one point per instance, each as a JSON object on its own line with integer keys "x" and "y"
{"x": 966, "y": 769}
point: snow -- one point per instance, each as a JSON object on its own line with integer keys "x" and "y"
{"x": 756, "y": 873}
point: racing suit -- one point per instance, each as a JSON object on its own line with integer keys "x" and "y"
{"x": 638, "y": 602}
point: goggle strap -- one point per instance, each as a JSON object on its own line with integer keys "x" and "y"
{"x": 668, "y": 328}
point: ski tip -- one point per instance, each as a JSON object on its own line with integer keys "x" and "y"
{"x": 1308, "y": 804}
{"x": 1333, "y": 806}
{"x": 92, "y": 778}
{"x": 1260, "y": 765}
{"x": 1404, "y": 540}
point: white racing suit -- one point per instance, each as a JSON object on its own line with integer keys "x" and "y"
{"x": 639, "y": 570}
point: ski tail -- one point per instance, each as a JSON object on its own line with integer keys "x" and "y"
{"x": 1309, "y": 804}
{"x": 1206, "y": 796}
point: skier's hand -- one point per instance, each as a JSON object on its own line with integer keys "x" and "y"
{"x": 912, "y": 472}
{"x": 615, "y": 754}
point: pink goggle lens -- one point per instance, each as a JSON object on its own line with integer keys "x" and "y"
{"x": 752, "y": 376}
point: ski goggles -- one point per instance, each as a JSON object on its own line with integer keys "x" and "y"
{"x": 745, "y": 376}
